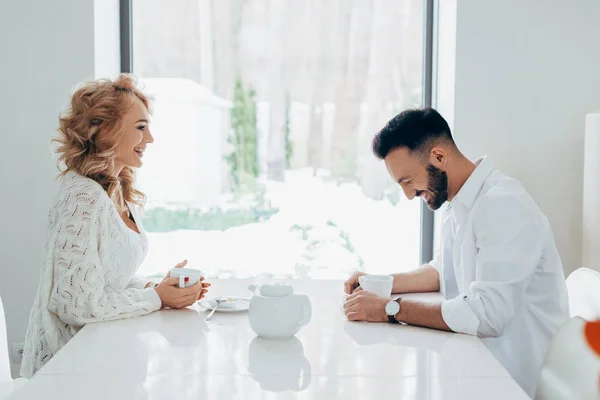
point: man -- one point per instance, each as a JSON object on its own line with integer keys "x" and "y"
{"x": 497, "y": 265}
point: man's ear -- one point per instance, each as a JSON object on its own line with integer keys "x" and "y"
{"x": 438, "y": 157}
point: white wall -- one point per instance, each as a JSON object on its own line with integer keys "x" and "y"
{"x": 46, "y": 49}
{"x": 525, "y": 75}
{"x": 591, "y": 192}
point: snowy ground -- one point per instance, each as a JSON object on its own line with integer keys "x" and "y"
{"x": 322, "y": 230}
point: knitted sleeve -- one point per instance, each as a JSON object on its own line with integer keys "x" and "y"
{"x": 79, "y": 293}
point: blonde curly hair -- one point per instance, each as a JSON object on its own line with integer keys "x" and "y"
{"x": 90, "y": 131}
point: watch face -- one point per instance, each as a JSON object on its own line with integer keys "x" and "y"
{"x": 392, "y": 308}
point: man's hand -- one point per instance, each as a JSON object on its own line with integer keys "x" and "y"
{"x": 366, "y": 306}
{"x": 351, "y": 285}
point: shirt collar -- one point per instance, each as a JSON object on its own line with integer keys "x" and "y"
{"x": 470, "y": 189}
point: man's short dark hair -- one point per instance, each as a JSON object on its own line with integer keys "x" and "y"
{"x": 415, "y": 129}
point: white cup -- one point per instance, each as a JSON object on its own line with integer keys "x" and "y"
{"x": 378, "y": 284}
{"x": 187, "y": 276}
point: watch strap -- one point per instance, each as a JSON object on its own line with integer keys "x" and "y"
{"x": 392, "y": 318}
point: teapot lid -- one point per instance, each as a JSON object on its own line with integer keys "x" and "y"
{"x": 278, "y": 289}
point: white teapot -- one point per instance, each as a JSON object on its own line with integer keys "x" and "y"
{"x": 276, "y": 312}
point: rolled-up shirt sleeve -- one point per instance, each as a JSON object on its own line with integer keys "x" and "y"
{"x": 435, "y": 263}
{"x": 509, "y": 241}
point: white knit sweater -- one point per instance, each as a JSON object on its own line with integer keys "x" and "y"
{"x": 88, "y": 273}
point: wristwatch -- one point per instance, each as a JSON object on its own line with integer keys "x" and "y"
{"x": 391, "y": 309}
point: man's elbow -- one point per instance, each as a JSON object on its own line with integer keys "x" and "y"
{"x": 494, "y": 317}
{"x": 491, "y": 329}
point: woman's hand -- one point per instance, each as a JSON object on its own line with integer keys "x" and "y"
{"x": 174, "y": 297}
{"x": 205, "y": 286}
{"x": 201, "y": 292}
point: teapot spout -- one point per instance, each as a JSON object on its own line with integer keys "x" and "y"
{"x": 253, "y": 288}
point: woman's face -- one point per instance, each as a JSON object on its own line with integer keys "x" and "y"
{"x": 136, "y": 137}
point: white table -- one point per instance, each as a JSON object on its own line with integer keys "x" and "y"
{"x": 175, "y": 354}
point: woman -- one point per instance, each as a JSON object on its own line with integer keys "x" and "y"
{"x": 96, "y": 241}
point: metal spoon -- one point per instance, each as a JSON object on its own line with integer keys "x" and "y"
{"x": 217, "y": 301}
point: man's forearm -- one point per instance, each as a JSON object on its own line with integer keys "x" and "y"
{"x": 421, "y": 313}
{"x": 422, "y": 279}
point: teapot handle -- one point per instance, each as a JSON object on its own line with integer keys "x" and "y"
{"x": 306, "y": 309}
{"x": 306, "y": 373}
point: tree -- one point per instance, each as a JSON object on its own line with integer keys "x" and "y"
{"x": 276, "y": 92}
{"x": 322, "y": 75}
{"x": 380, "y": 94}
{"x": 243, "y": 160}
{"x": 408, "y": 60}
{"x": 226, "y": 26}
{"x": 289, "y": 146}
{"x": 351, "y": 89}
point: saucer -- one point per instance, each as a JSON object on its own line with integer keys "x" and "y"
{"x": 231, "y": 304}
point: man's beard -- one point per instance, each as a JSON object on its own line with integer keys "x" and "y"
{"x": 437, "y": 187}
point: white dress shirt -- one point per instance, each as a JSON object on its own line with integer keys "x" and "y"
{"x": 500, "y": 272}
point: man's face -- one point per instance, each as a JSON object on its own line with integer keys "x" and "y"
{"x": 418, "y": 177}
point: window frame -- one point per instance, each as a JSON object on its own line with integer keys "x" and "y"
{"x": 427, "y": 217}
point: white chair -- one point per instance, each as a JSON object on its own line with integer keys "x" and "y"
{"x": 8, "y": 385}
{"x": 584, "y": 293}
{"x": 572, "y": 367}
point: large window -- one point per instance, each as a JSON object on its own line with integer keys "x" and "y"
{"x": 263, "y": 115}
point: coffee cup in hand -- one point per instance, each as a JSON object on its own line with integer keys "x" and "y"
{"x": 187, "y": 276}
{"x": 378, "y": 284}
